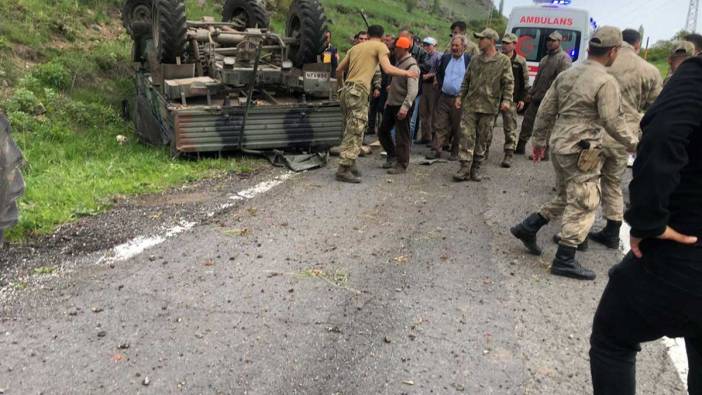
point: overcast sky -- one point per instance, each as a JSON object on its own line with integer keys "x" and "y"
{"x": 661, "y": 18}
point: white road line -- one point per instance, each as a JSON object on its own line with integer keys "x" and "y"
{"x": 140, "y": 244}
{"x": 676, "y": 347}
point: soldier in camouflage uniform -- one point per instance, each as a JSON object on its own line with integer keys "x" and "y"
{"x": 554, "y": 63}
{"x": 520, "y": 71}
{"x": 360, "y": 65}
{"x": 640, "y": 83}
{"x": 582, "y": 102}
{"x": 487, "y": 89}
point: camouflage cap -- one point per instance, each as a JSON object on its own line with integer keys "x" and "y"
{"x": 555, "y": 36}
{"x": 487, "y": 33}
{"x": 606, "y": 37}
{"x": 683, "y": 48}
{"x": 509, "y": 38}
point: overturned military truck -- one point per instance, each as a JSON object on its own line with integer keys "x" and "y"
{"x": 208, "y": 86}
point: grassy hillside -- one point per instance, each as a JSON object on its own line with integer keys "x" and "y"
{"x": 64, "y": 70}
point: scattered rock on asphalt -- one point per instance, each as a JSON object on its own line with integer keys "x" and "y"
{"x": 146, "y": 381}
{"x": 102, "y": 334}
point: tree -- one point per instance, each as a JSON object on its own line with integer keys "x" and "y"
{"x": 436, "y": 7}
{"x": 411, "y": 5}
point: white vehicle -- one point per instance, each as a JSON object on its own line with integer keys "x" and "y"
{"x": 532, "y": 24}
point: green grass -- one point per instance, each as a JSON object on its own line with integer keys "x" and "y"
{"x": 662, "y": 66}
{"x": 345, "y": 18}
{"x": 65, "y": 114}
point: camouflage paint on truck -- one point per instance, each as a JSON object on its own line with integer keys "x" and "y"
{"x": 199, "y": 127}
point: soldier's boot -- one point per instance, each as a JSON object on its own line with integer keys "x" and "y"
{"x": 609, "y": 235}
{"x": 390, "y": 162}
{"x": 584, "y": 246}
{"x": 521, "y": 148}
{"x": 463, "y": 173}
{"x": 475, "y": 172}
{"x": 565, "y": 264}
{"x": 354, "y": 170}
{"x": 526, "y": 232}
{"x": 344, "y": 174}
{"x": 507, "y": 161}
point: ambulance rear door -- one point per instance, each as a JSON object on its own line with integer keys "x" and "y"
{"x": 533, "y": 24}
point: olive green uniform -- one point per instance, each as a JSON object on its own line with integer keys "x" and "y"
{"x": 488, "y": 82}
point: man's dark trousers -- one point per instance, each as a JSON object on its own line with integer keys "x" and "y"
{"x": 637, "y": 306}
{"x": 400, "y": 148}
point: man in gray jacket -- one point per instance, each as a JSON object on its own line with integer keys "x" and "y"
{"x": 398, "y": 109}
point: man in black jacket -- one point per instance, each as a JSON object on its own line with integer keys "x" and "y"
{"x": 656, "y": 290}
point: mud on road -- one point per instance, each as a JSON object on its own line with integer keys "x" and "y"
{"x": 402, "y": 284}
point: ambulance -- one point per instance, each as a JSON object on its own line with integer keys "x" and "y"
{"x": 533, "y": 24}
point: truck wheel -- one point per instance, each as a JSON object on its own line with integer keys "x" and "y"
{"x": 11, "y": 182}
{"x": 170, "y": 30}
{"x": 306, "y": 24}
{"x": 136, "y": 17}
{"x": 250, "y": 13}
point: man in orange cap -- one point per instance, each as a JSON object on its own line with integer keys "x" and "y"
{"x": 402, "y": 93}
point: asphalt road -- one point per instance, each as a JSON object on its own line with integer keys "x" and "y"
{"x": 402, "y": 284}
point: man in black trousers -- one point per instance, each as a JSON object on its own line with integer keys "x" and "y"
{"x": 656, "y": 290}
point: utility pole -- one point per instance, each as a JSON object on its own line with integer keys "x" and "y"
{"x": 502, "y": 7}
{"x": 691, "y": 23}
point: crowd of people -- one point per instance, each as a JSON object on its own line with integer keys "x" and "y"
{"x": 587, "y": 120}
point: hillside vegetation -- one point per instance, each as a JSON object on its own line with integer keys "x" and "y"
{"x": 65, "y": 69}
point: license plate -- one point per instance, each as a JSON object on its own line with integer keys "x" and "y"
{"x": 316, "y": 75}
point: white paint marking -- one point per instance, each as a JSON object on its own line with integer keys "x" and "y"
{"x": 676, "y": 347}
{"x": 140, "y": 244}
{"x": 261, "y": 188}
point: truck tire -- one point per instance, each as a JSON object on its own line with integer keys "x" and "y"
{"x": 306, "y": 23}
{"x": 11, "y": 182}
{"x": 137, "y": 17}
{"x": 170, "y": 30}
{"x": 250, "y": 12}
